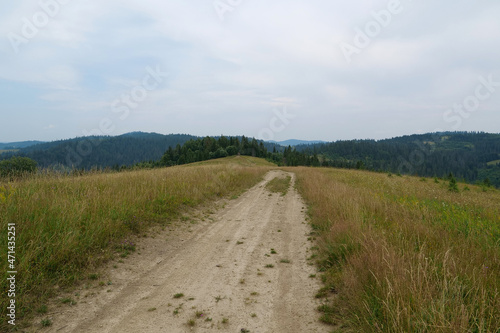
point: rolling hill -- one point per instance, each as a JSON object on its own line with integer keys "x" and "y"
{"x": 18, "y": 145}
{"x": 102, "y": 151}
{"x": 468, "y": 155}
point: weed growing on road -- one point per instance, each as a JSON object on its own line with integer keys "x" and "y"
{"x": 68, "y": 300}
{"x": 46, "y": 322}
{"x": 177, "y": 309}
{"x": 279, "y": 185}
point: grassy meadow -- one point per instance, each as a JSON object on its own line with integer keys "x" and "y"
{"x": 396, "y": 254}
{"x": 404, "y": 254}
{"x": 66, "y": 225}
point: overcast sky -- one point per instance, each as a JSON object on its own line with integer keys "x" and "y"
{"x": 272, "y": 69}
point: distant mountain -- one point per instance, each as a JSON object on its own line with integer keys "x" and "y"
{"x": 294, "y": 142}
{"x": 18, "y": 145}
{"x": 101, "y": 151}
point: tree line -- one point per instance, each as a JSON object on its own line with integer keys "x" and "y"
{"x": 207, "y": 148}
{"x": 473, "y": 157}
{"x": 470, "y": 156}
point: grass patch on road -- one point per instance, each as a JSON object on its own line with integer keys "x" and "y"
{"x": 279, "y": 185}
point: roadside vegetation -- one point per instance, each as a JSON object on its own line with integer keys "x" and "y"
{"x": 400, "y": 254}
{"x": 67, "y": 225}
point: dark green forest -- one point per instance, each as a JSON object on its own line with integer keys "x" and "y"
{"x": 101, "y": 151}
{"x": 470, "y": 156}
{"x": 210, "y": 148}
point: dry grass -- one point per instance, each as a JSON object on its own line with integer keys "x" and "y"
{"x": 237, "y": 160}
{"x": 279, "y": 185}
{"x": 402, "y": 255}
{"x": 66, "y": 225}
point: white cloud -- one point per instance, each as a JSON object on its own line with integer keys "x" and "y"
{"x": 262, "y": 55}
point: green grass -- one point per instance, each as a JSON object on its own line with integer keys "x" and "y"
{"x": 403, "y": 255}
{"x": 279, "y": 185}
{"x": 67, "y": 226}
{"x": 46, "y": 322}
{"x": 42, "y": 309}
{"x": 68, "y": 300}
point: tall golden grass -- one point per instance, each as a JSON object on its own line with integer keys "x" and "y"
{"x": 404, "y": 254}
{"x": 66, "y": 224}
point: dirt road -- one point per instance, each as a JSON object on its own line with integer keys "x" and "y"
{"x": 210, "y": 276}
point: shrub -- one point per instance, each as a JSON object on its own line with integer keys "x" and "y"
{"x": 17, "y": 166}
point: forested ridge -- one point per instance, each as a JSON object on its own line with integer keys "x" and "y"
{"x": 469, "y": 156}
{"x": 207, "y": 148}
{"x": 101, "y": 151}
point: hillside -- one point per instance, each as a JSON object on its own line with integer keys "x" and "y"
{"x": 469, "y": 156}
{"x": 473, "y": 157}
{"x": 398, "y": 254}
{"x": 102, "y": 151}
{"x": 18, "y": 145}
{"x": 111, "y": 152}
